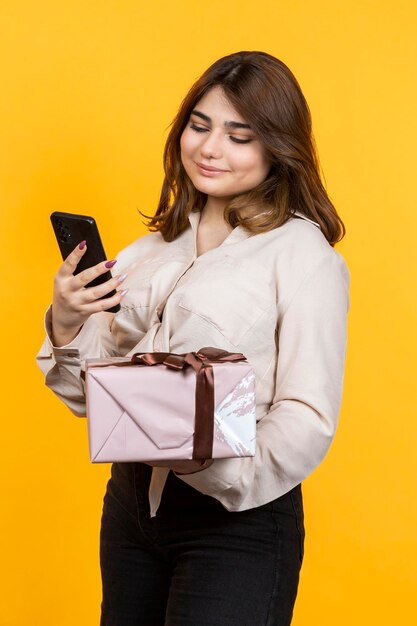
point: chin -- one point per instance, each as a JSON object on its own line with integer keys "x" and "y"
{"x": 211, "y": 188}
{"x": 219, "y": 195}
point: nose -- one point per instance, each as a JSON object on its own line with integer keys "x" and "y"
{"x": 211, "y": 146}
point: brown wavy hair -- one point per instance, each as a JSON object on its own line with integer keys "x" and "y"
{"x": 268, "y": 97}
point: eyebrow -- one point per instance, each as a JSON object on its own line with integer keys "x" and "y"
{"x": 206, "y": 118}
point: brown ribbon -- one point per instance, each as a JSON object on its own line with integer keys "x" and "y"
{"x": 204, "y": 391}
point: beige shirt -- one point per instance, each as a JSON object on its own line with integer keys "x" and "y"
{"x": 280, "y": 298}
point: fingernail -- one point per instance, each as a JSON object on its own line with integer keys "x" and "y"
{"x": 123, "y": 293}
{"x": 121, "y": 278}
{"x": 110, "y": 264}
{"x": 82, "y": 244}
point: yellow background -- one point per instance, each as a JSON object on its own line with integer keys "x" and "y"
{"x": 88, "y": 90}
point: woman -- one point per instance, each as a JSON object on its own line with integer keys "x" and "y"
{"x": 240, "y": 257}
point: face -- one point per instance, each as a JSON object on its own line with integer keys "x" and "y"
{"x": 219, "y": 151}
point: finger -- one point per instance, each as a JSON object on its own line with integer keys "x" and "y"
{"x": 70, "y": 264}
{"x": 88, "y": 275}
{"x": 104, "y": 303}
{"x": 90, "y": 294}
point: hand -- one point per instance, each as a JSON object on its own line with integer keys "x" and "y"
{"x": 72, "y": 302}
{"x": 183, "y": 467}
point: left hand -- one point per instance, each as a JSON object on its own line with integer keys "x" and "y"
{"x": 183, "y": 467}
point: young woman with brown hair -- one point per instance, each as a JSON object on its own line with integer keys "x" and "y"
{"x": 240, "y": 257}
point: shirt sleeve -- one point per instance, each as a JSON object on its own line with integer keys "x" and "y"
{"x": 99, "y": 337}
{"x": 62, "y": 366}
{"x": 295, "y": 434}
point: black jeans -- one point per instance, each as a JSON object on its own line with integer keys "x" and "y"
{"x": 195, "y": 563}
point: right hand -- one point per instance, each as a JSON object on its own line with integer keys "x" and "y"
{"x": 72, "y": 302}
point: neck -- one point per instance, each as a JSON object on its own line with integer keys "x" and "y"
{"x": 213, "y": 210}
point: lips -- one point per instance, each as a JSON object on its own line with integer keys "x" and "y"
{"x": 209, "y": 168}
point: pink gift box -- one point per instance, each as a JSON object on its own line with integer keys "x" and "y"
{"x": 159, "y": 406}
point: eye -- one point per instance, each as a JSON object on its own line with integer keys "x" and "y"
{"x": 198, "y": 129}
{"x": 237, "y": 140}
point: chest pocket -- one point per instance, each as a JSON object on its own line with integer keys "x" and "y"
{"x": 230, "y": 294}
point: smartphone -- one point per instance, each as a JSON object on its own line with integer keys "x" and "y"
{"x": 70, "y": 229}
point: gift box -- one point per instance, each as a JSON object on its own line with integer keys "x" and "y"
{"x": 165, "y": 406}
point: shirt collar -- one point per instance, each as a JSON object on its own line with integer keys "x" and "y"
{"x": 307, "y": 219}
{"x": 239, "y": 232}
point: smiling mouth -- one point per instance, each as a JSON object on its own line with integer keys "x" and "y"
{"x": 208, "y": 168}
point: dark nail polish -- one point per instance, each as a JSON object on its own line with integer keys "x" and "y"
{"x": 82, "y": 244}
{"x": 110, "y": 264}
